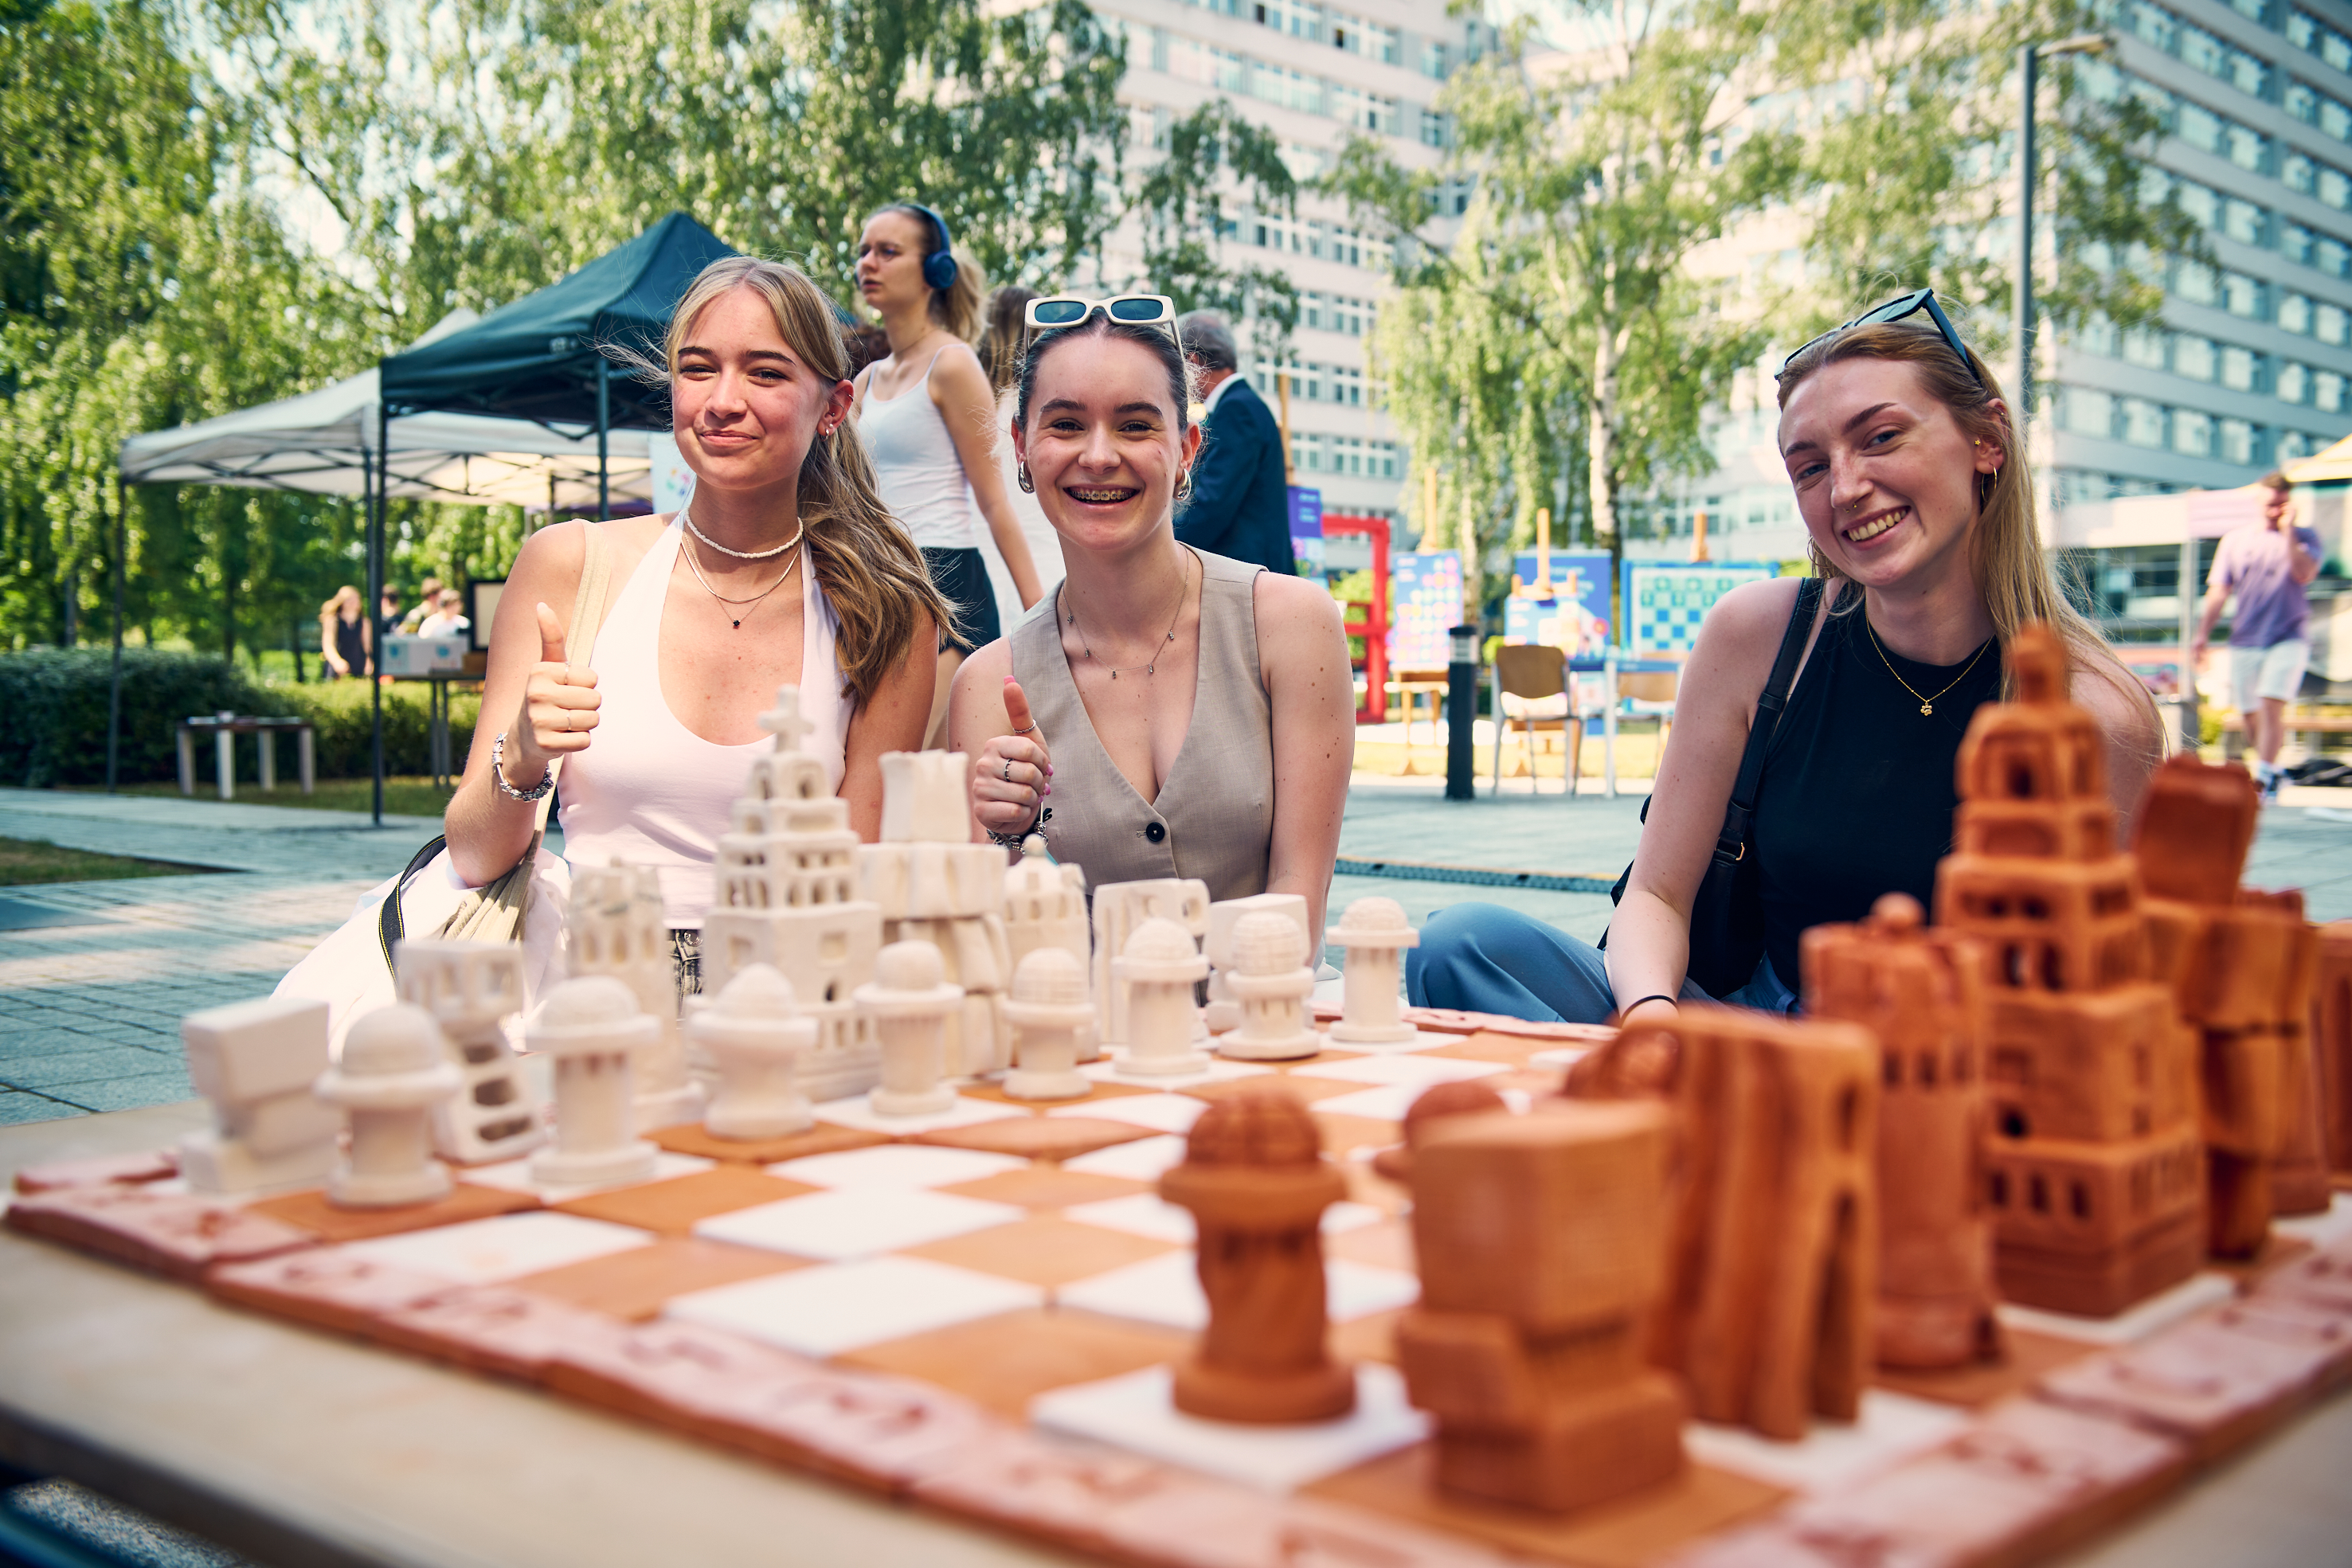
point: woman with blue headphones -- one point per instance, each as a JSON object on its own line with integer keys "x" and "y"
{"x": 929, "y": 417}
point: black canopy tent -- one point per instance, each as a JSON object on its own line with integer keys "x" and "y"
{"x": 543, "y": 358}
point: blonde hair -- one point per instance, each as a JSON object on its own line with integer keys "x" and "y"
{"x": 956, "y": 307}
{"x": 869, "y": 569}
{"x": 335, "y": 601}
{"x": 2011, "y": 569}
{"x": 1000, "y": 344}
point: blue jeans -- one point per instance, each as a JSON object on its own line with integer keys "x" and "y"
{"x": 1485, "y": 959}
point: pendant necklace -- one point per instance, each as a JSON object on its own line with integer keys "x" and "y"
{"x": 1182, "y": 592}
{"x": 1926, "y": 703}
{"x": 730, "y": 610}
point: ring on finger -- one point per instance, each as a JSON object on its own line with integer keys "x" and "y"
{"x": 1008, "y": 770}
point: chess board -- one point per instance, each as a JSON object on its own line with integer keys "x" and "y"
{"x": 1665, "y": 601}
{"x": 977, "y": 1311}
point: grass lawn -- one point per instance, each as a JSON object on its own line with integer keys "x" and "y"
{"x": 403, "y": 797}
{"x": 25, "y": 862}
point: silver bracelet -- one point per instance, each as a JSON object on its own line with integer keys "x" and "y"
{"x": 499, "y": 772}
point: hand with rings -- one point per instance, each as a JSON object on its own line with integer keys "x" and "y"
{"x": 1010, "y": 778}
{"x": 559, "y": 708}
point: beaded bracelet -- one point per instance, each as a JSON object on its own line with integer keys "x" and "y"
{"x": 499, "y": 772}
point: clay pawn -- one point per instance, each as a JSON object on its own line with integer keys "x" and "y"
{"x": 1272, "y": 984}
{"x": 755, "y": 1035}
{"x": 591, "y": 1028}
{"x": 1050, "y": 1012}
{"x": 1156, "y": 970}
{"x": 1375, "y": 934}
{"x": 910, "y": 1000}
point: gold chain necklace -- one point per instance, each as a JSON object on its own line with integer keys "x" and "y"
{"x": 1926, "y": 704}
{"x": 1182, "y": 592}
{"x": 736, "y": 608}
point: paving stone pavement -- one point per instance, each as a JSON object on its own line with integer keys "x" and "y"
{"x": 90, "y": 1012}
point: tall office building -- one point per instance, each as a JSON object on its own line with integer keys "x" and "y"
{"x": 1311, "y": 74}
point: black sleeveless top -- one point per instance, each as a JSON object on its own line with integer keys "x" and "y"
{"x": 1859, "y": 785}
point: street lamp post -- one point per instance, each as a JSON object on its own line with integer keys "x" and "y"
{"x": 2029, "y": 69}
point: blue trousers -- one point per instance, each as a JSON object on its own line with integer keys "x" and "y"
{"x": 1485, "y": 959}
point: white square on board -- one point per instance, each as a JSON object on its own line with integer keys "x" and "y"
{"x": 1567, "y": 1056}
{"x": 1382, "y": 1102}
{"x": 857, "y": 1111}
{"x": 1418, "y": 1071}
{"x": 1166, "y": 1290}
{"x": 2321, "y": 1230}
{"x": 1112, "y": 1069}
{"x": 1165, "y": 1112}
{"x": 1421, "y": 1039}
{"x": 1146, "y": 1159}
{"x": 1890, "y": 1428}
{"x": 514, "y": 1176}
{"x": 2160, "y": 1311}
{"x": 1149, "y": 1214}
{"x": 1138, "y": 1413}
{"x": 856, "y": 1223}
{"x": 489, "y": 1251}
{"x": 823, "y": 1311}
{"x": 897, "y": 1165}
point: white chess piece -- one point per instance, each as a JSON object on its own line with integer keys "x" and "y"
{"x": 470, "y": 988}
{"x": 614, "y": 924}
{"x": 1272, "y": 984}
{"x": 910, "y": 1000}
{"x": 756, "y": 1035}
{"x": 1375, "y": 933}
{"x": 255, "y": 1062}
{"x": 1049, "y": 1011}
{"x": 1158, "y": 970}
{"x": 1223, "y": 1012}
{"x": 592, "y": 1029}
{"x": 1118, "y": 908}
{"x": 395, "y": 1070}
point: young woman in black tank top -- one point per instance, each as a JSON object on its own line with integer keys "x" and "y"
{"x": 1913, "y": 487}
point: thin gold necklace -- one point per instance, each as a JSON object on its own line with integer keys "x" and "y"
{"x": 730, "y": 611}
{"x": 1926, "y": 703}
{"x": 1184, "y": 591}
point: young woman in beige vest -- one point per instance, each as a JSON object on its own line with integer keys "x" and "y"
{"x": 1179, "y": 715}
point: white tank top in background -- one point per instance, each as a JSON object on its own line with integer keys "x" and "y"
{"x": 1045, "y": 544}
{"x": 650, "y": 791}
{"x": 916, "y": 464}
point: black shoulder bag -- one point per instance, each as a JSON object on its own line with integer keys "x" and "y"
{"x": 1727, "y": 928}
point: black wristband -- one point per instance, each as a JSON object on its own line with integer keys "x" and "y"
{"x": 1654, "y": 997}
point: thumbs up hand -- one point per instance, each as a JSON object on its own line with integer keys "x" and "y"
{"x": 1011, "y": 774}
{"x": 559, "y": 707}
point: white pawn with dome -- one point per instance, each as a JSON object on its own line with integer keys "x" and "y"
{"x": 755, "y": 1035}
{"x": 395, "y": 1068}
{"x": 1375, "y": 934}
{"x": 1156, "y": 971}
{"x": 593, "y": 1029}
{"x": 1271, "y": 982}
{"x": 1049, "y": 1013}
{"x": 909, "y": 1000}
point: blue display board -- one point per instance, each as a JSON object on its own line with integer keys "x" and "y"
{"x": 1665, "y": 601}
{"x": 1307, "y": 530}
{"x": 1575, "y": 619}
{"x": 1424, "y": 600}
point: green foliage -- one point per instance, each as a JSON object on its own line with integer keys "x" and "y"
{"x": 1181, "y": 203}
{"x": 52, "y": 705}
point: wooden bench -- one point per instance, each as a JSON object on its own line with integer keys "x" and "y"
{"x": 225, "y": 729}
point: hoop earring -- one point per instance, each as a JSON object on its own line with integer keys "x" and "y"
{"x": 1985, "y": 484}
{"x": 1183, "y": 484}
{"x": 1021, "y": 477}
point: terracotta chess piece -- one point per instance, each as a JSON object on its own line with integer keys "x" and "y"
{"x": 2300, "y": 1179}
{"x": 1272, "y": 985}
{"x": 785, "y": 890}
{"x": 1258, "y": 1183}
{"x": 594, "y": 1031}
{"x": 2331, "y": 1041}
{"x": 1157, "y": 971}
{"x": 1462, "y": 1097}
{"x": 1772, "y": 1263}
{"x": 255, "y": 1061}
{"x": 1542, "y": 1247}
{"x": 1050, "y": 1012}
{"x": 1223, "y": 1013}
{"x": 472, "y": 988}
{"x": 613, "y": 925}
{"x": 2092, "y": 1169}
{"x": 1375, "y": 933}
{"x": 932, "y": 884}
{"x": 395, "y": 1070}
{"x": 755, "y": 1035}
{"x": 1921, "y": 993}
{"x": 909, "y": 1000}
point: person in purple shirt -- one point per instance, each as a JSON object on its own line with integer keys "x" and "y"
{"x": 2267, "y": 565}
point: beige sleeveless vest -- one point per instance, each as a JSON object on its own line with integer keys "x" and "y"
{"x": 1214, "y": 816}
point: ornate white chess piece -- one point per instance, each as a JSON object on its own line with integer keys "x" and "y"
{"x": 614, "y": 925}
{"x": 1049, "y": 1011}
{"x": 933, "y": 885}
{"x": 395, "y": 1070}
{"x": 1119, "y": 908}
{"x": 255, "y": 1062}
{"x": 1272, "y": 986}
{"x": 1223, "y": 1012}
{"x": 471, "y": 987}
{"x": 755, "y": 1034}
{"x": 1375, "y": 933}
{"x": 910, "y": 1000}
{"x": 1158, "y": 970}
{"x": 592, "y": 1028}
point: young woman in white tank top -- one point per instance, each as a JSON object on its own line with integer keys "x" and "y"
{"x": 783, "y": 570}
{"x": 929, "y": 416}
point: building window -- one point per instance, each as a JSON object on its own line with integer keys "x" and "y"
{"x": 2089, "y": 413}
{"x": 2193, "y": 357}
{"x": 2293, "y": 445}
{"x": 2293, "y": 381}
{"x": 2295, "y": 313}
{"x": 2195, "y": 282}
{"x": 2245, "y": 223}
{"x": 2142, "y": 423}
{"x": 2328, "y": 324}
{"x": 2242, "y": 296}
{"x": 2144, "y": 346}
{"x": 2240, "y": 443}
{"x": 2192, "y": 433}
{"x": 2328, "y": 391}
{"x": 2239, "y": 369}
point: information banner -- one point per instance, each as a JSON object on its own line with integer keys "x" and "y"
{"x": 1424, "y": 599}
{"x": 1575, "y": 617}
{"x": 1665, "y": 601}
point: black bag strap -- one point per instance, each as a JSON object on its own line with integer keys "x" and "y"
{"x": 1731, "y": 842}
{"x": 388, "y": 928}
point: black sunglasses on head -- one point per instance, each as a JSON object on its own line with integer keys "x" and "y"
{"x": 1896, "y": 309}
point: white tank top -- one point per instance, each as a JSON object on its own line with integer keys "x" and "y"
{"x": 915, "y": 462}
{"x": 650, "y": 791}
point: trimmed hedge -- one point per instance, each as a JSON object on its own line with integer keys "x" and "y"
{"x": 53, "y": 717}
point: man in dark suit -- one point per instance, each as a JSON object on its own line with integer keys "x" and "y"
{"x": 1240, "y": 503}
